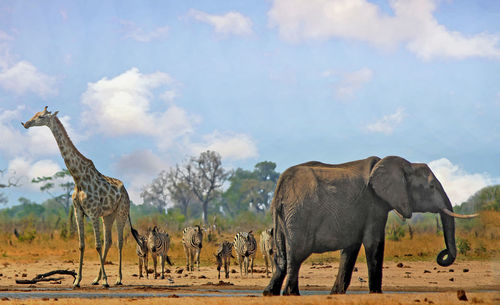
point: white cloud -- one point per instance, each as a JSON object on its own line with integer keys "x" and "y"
{"x": 229, "y": 145}
{"x": 124, "y": 105}
{"x": 27, "y": 169}
{"x": 139, "y": 168}
{"x": 387, "y": 123}
{"x": 23, "y": 78}
{"x": 411, "y": 24}
{"x": 328, "y": 73}
{"x": 133, "y": 103}
{"x": 5, "y": 57}
{"x": 458, "y": 184}
{"x": 135, "y": 32}
{"x": 351, "y": 82}
{"x": 230, "y": 23}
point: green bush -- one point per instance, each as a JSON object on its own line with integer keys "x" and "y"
{"x": 28, "y": 235}
{"x": 463, "y": 246}
{"x": 395, "y": 232}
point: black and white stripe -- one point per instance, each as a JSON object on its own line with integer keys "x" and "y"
{"x": 142, "y": 252}
{"x": 245, "y": 247}
{"x": 192, "y": 239}
{"x": 266, "y": 247}
{"x": 158, "y": 244}
{"x": 223, "y": 255}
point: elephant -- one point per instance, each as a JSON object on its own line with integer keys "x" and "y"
{"x": 320, "y": 207}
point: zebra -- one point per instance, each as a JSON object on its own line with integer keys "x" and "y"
{"x": 245, "y": 246}
{"x": 266, "y": 247}
{"x": 192, "y": 239}
{"x": 158, "y": 244}
{"x": 224, "y": 254}
{"x": 142, "y": 252}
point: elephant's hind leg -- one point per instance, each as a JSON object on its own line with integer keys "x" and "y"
{"x": 292, "y": 281}
{"x": 348, "y": 258}
{"x": 278, "y": 277}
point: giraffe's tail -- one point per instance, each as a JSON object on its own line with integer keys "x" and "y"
{"x": 134, "y": 231}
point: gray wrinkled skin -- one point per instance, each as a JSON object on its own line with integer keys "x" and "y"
{"x": 323, "y": 207}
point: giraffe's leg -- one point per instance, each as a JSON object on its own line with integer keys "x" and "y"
{"x": 120, "y": 224}
{"x": 98, "y": 247}
{"x": 107, "y": 224}
{"x": 81, "y": 237}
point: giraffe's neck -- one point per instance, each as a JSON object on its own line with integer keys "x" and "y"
{"x": 76, "y": 163}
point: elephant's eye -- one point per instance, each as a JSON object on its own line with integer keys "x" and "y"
{"x": 432, "y": 186}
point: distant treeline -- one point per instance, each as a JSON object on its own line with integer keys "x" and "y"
{"x": 175, "y": 199}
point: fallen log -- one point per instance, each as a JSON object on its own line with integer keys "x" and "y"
{"x": 45, "y": 277}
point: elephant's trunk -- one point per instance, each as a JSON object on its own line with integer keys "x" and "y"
{"x": 448, "y": 255}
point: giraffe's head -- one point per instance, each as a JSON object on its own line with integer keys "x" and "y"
{"x": 41, "y": 118}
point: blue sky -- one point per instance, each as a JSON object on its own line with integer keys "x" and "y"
{"x": 141, "y": 86}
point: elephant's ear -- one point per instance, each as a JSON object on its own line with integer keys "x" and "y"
{"x": 388, "y": 180}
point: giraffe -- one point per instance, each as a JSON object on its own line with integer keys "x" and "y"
{"x": 95, "y": 195}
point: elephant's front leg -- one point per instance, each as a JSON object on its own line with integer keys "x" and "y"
{"x": 348, "y": 258}
{"x": 373, "y": 241}
{"x": 375, "y": 259}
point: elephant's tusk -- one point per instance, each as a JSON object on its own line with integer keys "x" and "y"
{"x": 450, "y": 213}
{"x": 400, "y": 216}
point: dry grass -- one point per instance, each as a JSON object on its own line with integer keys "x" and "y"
{"x": 484, "y": 243}
{"x": 388, "y": 299}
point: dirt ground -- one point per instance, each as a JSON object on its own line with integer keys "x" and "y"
{"x": 397, "y": 276}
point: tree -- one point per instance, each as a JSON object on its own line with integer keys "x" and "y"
{"x": 266, "y": 171}
{"x": 156, "y": 194}
{"x": 62, "y": 180}
{"x": 12, "y": 181}
{"x": 250, "y": 190}
{"x": 205, "y": 176}
{"x": 180, "y": 192}
{"x": 487, "y": 198}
